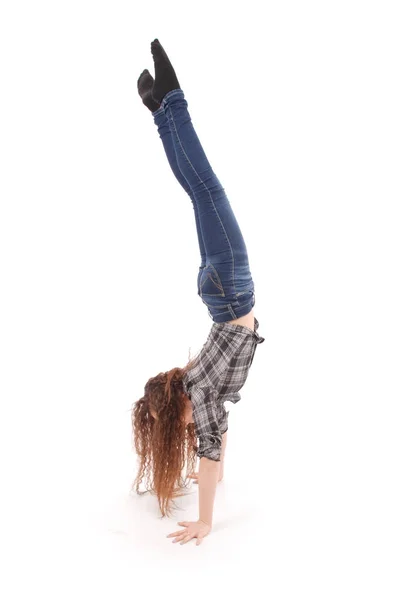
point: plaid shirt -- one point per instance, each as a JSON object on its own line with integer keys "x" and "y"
{"x": 219, "y": 371}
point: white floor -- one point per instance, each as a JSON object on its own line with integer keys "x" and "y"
{"x": 291, "y": 525}
{"x": 98, "y": 266}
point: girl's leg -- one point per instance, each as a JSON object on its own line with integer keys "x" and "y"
{"x": 163, "y": 127}
{"x": 226, "y": 276}
{"x": 224, "y": 282}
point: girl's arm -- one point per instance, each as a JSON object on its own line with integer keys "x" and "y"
{"x": 209, "y": 472}
{"x": 223, "y": 451}
{"x": 195, "y": 475}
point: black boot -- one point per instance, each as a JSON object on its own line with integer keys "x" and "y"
{"x": 165, "y": 77}
{"x": 145, "y": 86}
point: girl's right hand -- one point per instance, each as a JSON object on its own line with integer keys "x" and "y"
{"x": 195, "y": 476}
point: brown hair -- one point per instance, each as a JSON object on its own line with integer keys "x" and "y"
{"x": 163, "y": 444}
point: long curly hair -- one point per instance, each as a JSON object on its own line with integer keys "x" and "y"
{"x": 163, "y": 441}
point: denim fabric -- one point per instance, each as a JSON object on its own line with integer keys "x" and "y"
{"x": 224, "y": 280}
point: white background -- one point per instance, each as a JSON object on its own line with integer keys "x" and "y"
{"x": 297, "y": 105}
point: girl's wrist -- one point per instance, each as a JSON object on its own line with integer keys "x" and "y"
{"x": 204, "y": 522}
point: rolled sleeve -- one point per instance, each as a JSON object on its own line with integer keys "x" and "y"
{"x": 222, "y": 417}
{"x": 206, "y": 421}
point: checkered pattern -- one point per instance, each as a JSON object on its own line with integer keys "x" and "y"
{"x": 219, "y": 372}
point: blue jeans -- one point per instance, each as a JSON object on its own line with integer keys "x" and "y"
{"x": 224, "y": 281}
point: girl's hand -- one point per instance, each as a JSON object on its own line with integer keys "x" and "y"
{"x": 195, "y": 476}
{"x": 193, "y": 529}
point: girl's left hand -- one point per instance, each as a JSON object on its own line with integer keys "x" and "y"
{"x": 195, "y": 476}
{"x": 193, "y": 529}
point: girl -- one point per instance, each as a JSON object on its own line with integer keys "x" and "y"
{"x": 186, "y": 404}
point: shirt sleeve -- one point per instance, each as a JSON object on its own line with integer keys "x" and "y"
{"x": 206, "y": 421}
{"x": 222, "y": 417}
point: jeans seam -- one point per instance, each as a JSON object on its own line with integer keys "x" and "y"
{"x": 193, "y": 201}
{"x": 169, "y": 94}
{"x": 172, "y": 93}
{"x": 208, "y": 191}
{"x": 232, "y": 312}
{"x": 224, "y": 306}
{"x": 158, "y": 111}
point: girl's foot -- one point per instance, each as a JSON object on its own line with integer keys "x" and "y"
{"x": 145, "y": 86}
{"x": 165, "y": 77}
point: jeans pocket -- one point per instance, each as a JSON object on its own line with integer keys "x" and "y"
{"x": 209, "y": 283}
